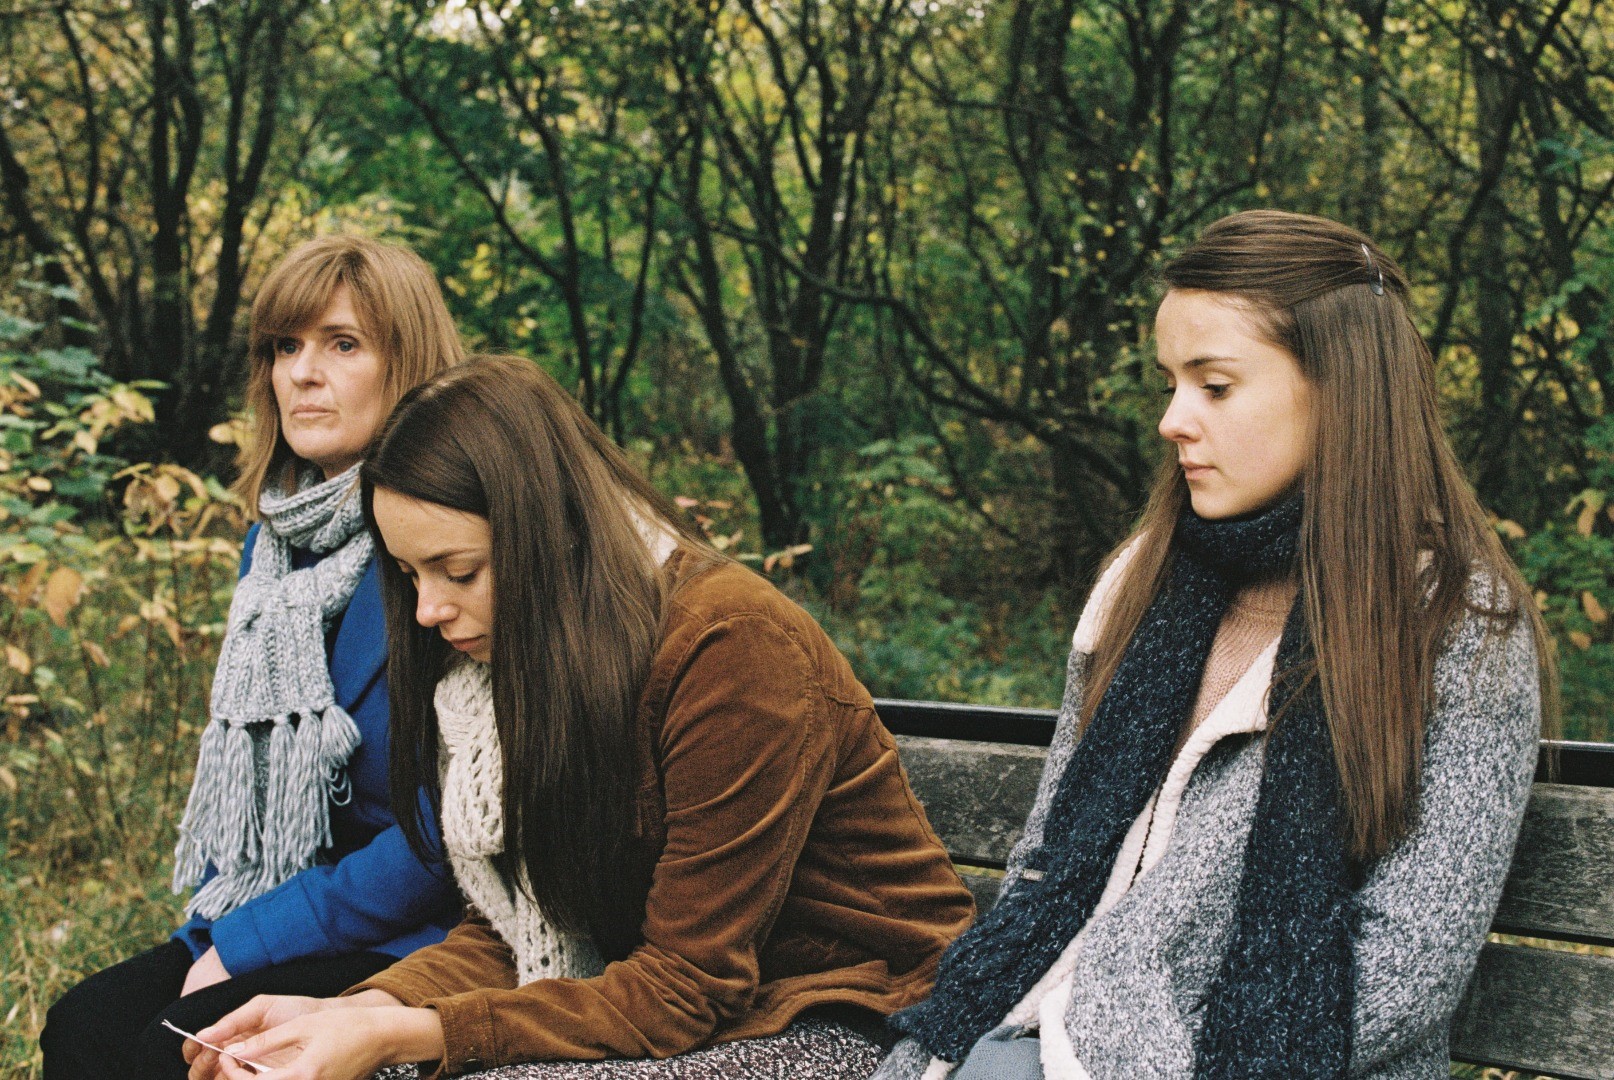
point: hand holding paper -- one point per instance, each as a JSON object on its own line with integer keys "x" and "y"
{"x": 331, "y": 1039}
{"x": 253, "y": 1065}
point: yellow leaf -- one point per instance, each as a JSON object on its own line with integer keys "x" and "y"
{"x": 30, "y": 583}
{"x": 38, "y": 483}
{"x": 97, "y": 654}
{"x": 1510, "y": 529}
{"x": 8, "y": 780}
{"x": 1581, "y": 639}
{"x": 1594, "y": 610}
{"x": 85, "y": 441}
{"x": 1587, "y": 518}
{"x": 18, "y": 659}
{"x": 62, "y": 593}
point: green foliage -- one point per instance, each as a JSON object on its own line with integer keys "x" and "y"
{"x": 57, "y": 409}
{"x": 1570, "y": 563}
{"x": 111, "y": 616}
{"x": 899, "y": 601}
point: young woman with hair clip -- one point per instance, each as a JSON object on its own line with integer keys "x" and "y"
{"x": 1300, "y": 723}
{"x": 680, "y": 826}
{"x": 306, "y": 883}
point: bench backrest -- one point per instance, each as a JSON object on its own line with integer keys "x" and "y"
{"x": 1531, "y": 1006}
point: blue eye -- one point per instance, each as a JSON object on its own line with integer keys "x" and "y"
{"x": 1216, "y": 390}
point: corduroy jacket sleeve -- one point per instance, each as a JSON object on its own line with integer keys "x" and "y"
{"x": 745, "y": 756}
{"x": 1424, "y": 910}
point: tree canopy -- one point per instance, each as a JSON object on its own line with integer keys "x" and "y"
{"x": 870, "y": 276}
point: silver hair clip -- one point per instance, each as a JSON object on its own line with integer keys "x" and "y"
{"x": 1377, "y": 285}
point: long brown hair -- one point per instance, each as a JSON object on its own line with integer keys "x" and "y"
{"x": 1391, "y": 532}
{"x": 400, "y": 310}
{"x": 578, "y": 602}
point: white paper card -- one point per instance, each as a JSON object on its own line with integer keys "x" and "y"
{"x": 253, "y": 1065}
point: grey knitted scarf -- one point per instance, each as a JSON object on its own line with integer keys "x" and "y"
{"x": 273, "y": 755}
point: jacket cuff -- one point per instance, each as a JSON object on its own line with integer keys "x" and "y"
{"x": 468, "y": 1038}
{"x": 276, "y": 928}
{"x": 241, "y": 949}
{"x": 197, "y": 936}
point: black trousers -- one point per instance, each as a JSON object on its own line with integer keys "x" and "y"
{"x": 110, "y": 1025}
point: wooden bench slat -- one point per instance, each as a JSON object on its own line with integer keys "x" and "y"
{"x": 976, "y": 795}
{"x": 1561, "y": 884}
{"x": 1539, "y": 1011}
{"x": 1562, "y": 881}
{"x": 984, "y": 888}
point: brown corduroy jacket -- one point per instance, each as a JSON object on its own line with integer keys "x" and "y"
{"x": 795, "y": 868}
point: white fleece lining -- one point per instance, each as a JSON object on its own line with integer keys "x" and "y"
{"x": 1098, "y": 603}
{"x": 1242, "y": 710}
{"x": 1121, "y": 875}
{"x": 1059, "y": 1060}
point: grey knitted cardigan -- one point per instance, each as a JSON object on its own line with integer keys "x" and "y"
{"x": 1145, "y": 965}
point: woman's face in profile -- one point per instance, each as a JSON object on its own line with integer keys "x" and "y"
{"x": 448, "y": 554}
{"x": 329, "y": 383}
{"x": 1240, "y": 409}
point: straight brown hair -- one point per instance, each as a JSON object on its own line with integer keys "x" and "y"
{"x": 400, "y": 311}
{"x": 1391, "y": 533}
{"x": 578, "y": 604}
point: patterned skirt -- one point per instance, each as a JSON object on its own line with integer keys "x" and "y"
{"x": 812, "y": 1048}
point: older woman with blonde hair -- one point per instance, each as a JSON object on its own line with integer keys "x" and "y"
{"x": 304, "y": 881}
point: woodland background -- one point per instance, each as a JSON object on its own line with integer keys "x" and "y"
{"x": 866, "y": 284}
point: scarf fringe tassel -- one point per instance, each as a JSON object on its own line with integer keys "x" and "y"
{"x": 303, "y": 762}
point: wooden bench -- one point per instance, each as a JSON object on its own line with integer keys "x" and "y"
{"x": 1533, "y": 1008}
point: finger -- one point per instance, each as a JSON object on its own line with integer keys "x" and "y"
{"x": 231, "y": 1069}
{"x": 246, "y": 1020}
{"x": 275, "y": 1047}
{"x": 204, "y": 1065}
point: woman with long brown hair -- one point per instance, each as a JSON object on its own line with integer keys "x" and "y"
{"x": 1300, "y": 722}
{"x": 681, "y": 828}
{"x": 304, "y": 881}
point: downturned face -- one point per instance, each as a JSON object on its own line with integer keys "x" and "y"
{"x": 448, "y": 554}
{"x": 329, "y": 384}
{"x": 1240, "y": 411}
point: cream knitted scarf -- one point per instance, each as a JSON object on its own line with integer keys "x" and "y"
{"x": 473, "y": 832}
{"x": 273, "y": 755}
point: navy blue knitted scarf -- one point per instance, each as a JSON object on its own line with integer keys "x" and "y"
{"x": 1281, "y": 1004}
